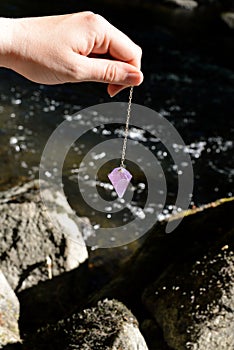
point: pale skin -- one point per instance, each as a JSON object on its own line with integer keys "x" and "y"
{"x": 70, "y": 48}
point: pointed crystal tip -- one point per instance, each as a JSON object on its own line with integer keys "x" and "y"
{"x": 120, "y": 179}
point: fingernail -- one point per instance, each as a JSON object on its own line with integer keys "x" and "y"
{"x": 113, "y": 94}
{"x": 134, "y": 78}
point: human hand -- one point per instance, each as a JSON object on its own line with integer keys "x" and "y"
{"x": 70, "y": 48}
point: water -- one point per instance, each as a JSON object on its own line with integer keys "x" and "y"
{"x": 189, "y": 87}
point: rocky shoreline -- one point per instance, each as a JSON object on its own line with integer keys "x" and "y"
{"x": 179, "y": 287}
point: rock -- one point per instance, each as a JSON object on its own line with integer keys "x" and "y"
{"x": 199, "y": 229}
{"x": 108, "y": 325}
{"x": 55, "y": 299}
{"x": 69, "y": 293}
{"x": 228, "y": 18}
{"x": 51, "y": 300}
{"x": 193, "y": 302}
{"x": 38, "y": 243}
{"x": 186, "y": 4}
{"x": 153, "y": 335}
{"x": 9, "y": 314}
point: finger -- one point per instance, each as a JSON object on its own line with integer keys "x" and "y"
{"x": 120, "y": 46}
{"x": 114, "y": 89}
{"x": 106, "y": 71}
{"x": 124, "y": 49}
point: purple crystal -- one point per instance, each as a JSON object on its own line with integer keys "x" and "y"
{"x": 120, "y": 179}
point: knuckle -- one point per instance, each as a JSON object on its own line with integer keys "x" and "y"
{"x": 139, "y": 50}
{"x": 92, "y": 18}
{"x": 87, "y": 13}
{"x": 98, "y": 23}
{"x": 99, "y": 18}
{"x": 89, "y": 17}
{"x": 84, "y": 15}
{"x": 110, "y": 73}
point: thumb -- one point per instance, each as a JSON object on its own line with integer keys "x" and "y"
{"x": 108, "y": 71}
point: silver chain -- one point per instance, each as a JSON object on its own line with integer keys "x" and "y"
{"x": 126, "y": 129}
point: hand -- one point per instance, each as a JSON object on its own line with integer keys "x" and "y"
{"x": 70, "y": 48}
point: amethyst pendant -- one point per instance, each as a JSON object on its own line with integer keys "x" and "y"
{"x": 120, "y": 179}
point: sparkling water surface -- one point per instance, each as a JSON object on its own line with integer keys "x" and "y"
{"x": 190, "y": 88}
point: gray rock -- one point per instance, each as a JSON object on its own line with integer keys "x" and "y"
{"x": 9, "y": 314}
{"x": 153, "y": 335}
{"x": 191, "y": 240}
{"x": 55, "y": 299}
{"x": 38, "y": 243}
{"x": 228, "y": 18}
{"x": 186, "y": 4}
{"x": 107, "y": 326}
{"x": 199, "y": 229}
{"x": 193, "y": 302}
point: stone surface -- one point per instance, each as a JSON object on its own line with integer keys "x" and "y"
{"x": 186, "y": 4}
{"x": 228, "y": 18}
{"x": 9, "y": 314}
{"x": 199, "y": 229}
{"x": 69, "y": 293}
{"x": 38, "y": 243}
{"x": 153, "y": 335}
{"x": 108, "y": 325}
{"x": 193, "y": 302}
{"x": 51, "y": 300}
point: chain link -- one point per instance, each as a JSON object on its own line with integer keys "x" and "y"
{"x": 126, "y": 129}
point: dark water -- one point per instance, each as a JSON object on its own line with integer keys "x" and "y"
{"x": 190, "y": 86}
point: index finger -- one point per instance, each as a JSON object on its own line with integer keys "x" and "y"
{"x": 124, "y": 49}
{"x": 111, "y": 40}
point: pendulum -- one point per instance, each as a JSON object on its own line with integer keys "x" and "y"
{"x": 121, "y": 177}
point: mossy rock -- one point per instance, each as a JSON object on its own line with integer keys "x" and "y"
{"x": 108, "y": 325}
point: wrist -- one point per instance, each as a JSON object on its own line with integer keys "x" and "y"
{"x": 6, "y": 40}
